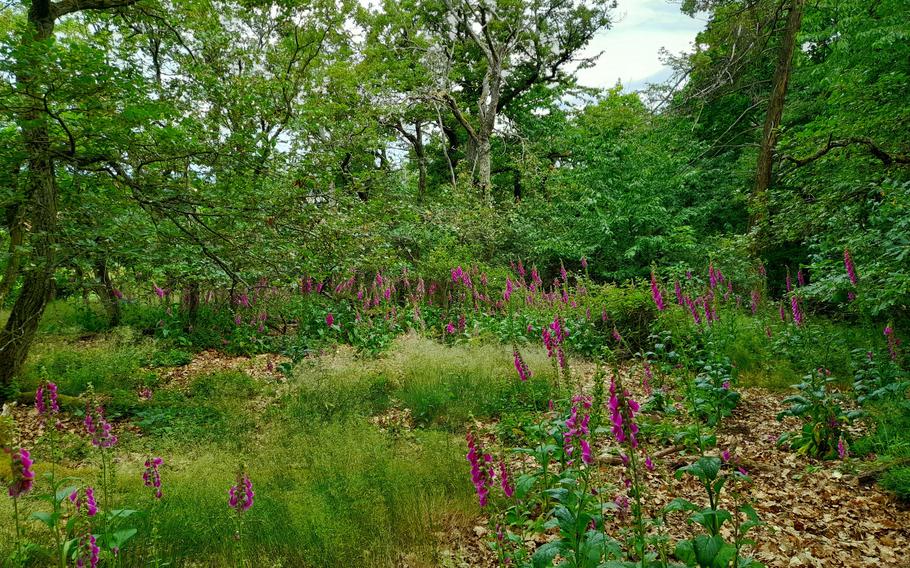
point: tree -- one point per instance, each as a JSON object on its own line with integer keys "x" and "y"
{"x": 494, "y": 52}
{"x": 31, "y": 69}
{"x": 772, "y": 123}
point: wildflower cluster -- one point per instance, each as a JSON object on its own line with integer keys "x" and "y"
{"x": 553, "y": 336}
{"x": 88, "y": 552}
{"x": 577, "y": 429}
{"x": 85, "y": 502}
{"x": 23, "y": 476}
{"x": 622, "y": 415}
{"x": 524, "y": 372}
{"x": 481, "y": 469}
{"x": 152, "y": 477}
{"x": 240, "y": 495}
{"x": 46, "y": 399}
{"x": 99, "y": 428}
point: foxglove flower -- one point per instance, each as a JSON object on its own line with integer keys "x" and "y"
{"x": 655, "y": 293}
{"x": 646, "y": 382}
{"x": 450, "y": 328}
{"x": 22, "y": 474}
{"x": 88, "y": 552}
{"x": 46, "y": 399}
{"x": 86, "y": 503}
{"x": 504, "y": 480}
{"x": 797, "y": 313}
{"x": 524, "y": 372}
{"x": 679, "y": 295}
{"x": 584, "y": 263}
{"x": 756, "y": 298}
{"x": 622, "y": 415}
{"x": 152, "y": 477}
{"x": 99, "y": 428}
{"x": 577, "y": 429}
{"x": 841, "y": 448}
{"x": 481, "y": 469}
{"x": 800, "y": 277}
{"x": 329, "y": 319}
{"x": 240, "y": 496}
{"x": 850, "y": 267}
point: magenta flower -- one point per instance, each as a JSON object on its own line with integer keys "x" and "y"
{"x": 87, "y": 503}
{"x": 524, "y": 372}
{"x": 756, "y": 299}
{"x": 88, "y": 551}
{"x": 481, "y": 469}
{"x": 841, "y": 448}
{"x": 504, "y": 481}
{"x": 22, "y": 474}
{"x": 616, "y": 335}
{"x": 782, "y": 312}
{"x": 159, "y": 292}
{"x": 329, "y": 319}
{"x": 240, "y": 496}
{"x": 789, "y": 283}
{"x": 797, "y": 313}
{"x": 679, "y": 295}
{"x": 152, "y": 477}
{"x": 649, "y": 464}
{"x": 851, "y": 268}
{"x": 49, "y": 404}
{"x": 800, "y": 277}
{"x": 577, "y": 429}
{"x": 99, "y": 428}
{"x": 655, "y": 293}
{"x": 622, "y": 415}
{"x": 649, "y": 376}
{"x": 450, "y": 328}
{"x": 725, "y": 456}
{"x": 584, "y": 263}
{"x": 693, "y": 309}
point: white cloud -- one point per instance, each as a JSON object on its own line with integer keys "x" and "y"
{"x": 631, "y": 47}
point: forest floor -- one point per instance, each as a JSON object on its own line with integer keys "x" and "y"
{"x": 817, "y": 514}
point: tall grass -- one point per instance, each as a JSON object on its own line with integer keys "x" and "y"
{"x": 442, "y": 386}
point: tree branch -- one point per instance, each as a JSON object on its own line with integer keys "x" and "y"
{"x": 876, "y": 150}
{"x": 64, "y": 7}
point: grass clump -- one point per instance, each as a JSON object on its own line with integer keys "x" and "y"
{"x": 443, "y": 386}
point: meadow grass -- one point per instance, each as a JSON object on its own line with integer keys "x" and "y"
{"x": 332, "y": 488}
{"x": 443, "y": 386}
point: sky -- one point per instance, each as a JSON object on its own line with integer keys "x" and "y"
{"x": 631, "y": 46}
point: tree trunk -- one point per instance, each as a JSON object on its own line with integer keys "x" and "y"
{"x": 37, "y": 285}
{"x": 109, "y": 299}
{"x": 16, "y": 238}
{"x": 192, "y": 301}
{"x": 761, "y": 222}
{"x": 483, "y": 176}
{"x": 421, "y": 155}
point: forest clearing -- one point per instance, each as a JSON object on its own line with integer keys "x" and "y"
{"x": 414, "y": 283}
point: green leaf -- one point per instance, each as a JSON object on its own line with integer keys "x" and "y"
{"x": 545, "y": 554}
